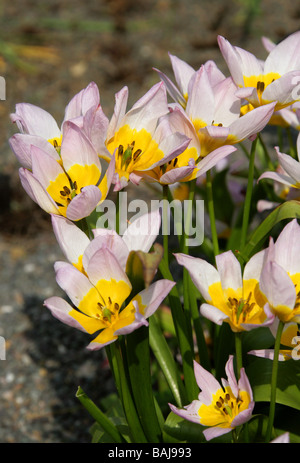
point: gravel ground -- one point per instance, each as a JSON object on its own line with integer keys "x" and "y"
{"x": 45, "y": 360}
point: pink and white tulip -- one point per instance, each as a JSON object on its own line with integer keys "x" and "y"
{"x": 219, "y": 407}
{"x": 98, "y": 294}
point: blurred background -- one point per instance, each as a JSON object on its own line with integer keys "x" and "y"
{"x": 49, "y": 51}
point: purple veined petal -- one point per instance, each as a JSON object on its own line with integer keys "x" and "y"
{"x": 244, "y": 383}
{"x": 147, "y": 110}
{"x": 202, "y": 273}
{"x": 111, "y": 240}
{"x": 44, "y": 167}
{"x": 95, "y": 126}
{"x": 290, "y": 165}
{"x": 217, "y": 132}
{"x": 83, "y": 204}
{"x": 76, "y": 148}
{"x": 268, "y": 44}
{"x": 254, "y": 266}
{"x": 104, "y": 265}
{"x": 177, "y": 174}
{"x": 287, "y": 248}
{"x": 135, "y": 178}
{"x": 82, "y": 101}
{"x": 180, "y": 122}
{"x": 233, "y": 60}
{"x": 277, "y": 286}
{"x": 21, "y": 145}
{"x": 215, "y": 431}
{"x": 153, "y": 296}
{"x": 171, "y": 88}
{"x": 90, "y": 97}
{"x": 36, "y": 191}
{"x": 206, "y": 382}
{"x": 227, "y": 104}
{"x": 142, "y": 232}
{"x": 201, "y": 102}
{"x": 267, "y": 354}
{"x": 121, "y": 99}
{"x": 229, "y": 270}
{"x": 213, "y": 158}
{"x": 229, "y": 369}
{"x": 243, "y": 416}
{"x": 282, "y": 439}
{"x": 248, "y": 93}
{"x": 281, "y": 178}
{"x": 183, "y": 73}
{"x": 189, "y": 412}
{"x": 213, "y": 314}
{"x": 252, "y": 122}
{"x": 119, "y": 182}
{"x": 36, "y": 121}
{"x": 73, "y": 108}
{"x": 71, "y": 239}
{"x": 281, "y": 90}
{"x": 60, "y": 309}
{"x": 284, "y": 57}
{"x": 72, "y": 281}
{"x": 215, "y": 75}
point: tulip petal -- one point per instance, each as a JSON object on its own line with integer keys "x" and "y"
{"x": 71, "y": 239}
{"x": 84, "y": 203}
{"x": 202, "y": 273}
{"x": 142, "y": 232}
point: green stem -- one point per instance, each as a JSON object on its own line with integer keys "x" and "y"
{"x": 165, "y": 220}
{"x": 266, "y": 153}
{"x": 99, "y": 416}
{"x": 138, "y": 355}
{"x": 274, "y": 381}
{"x": 201, "y": 343}
{"x": 211, "y": 212}
{"x": 183, "y": 335}
{"x": 238, "y": 352}
{"x": 165, "y": 359}
{"x": 126, "y": 396}
{"x": 247, "y": 205}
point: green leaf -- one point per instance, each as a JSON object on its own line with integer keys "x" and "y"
{"x": 259, "y": 373}
{"x": 138, "y": 355}
{"x": 287, "y": 210}
{"x": 100, "y": 417}
{"x": 177, "y": 429}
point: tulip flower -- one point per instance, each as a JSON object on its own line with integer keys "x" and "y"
{"x": 214, "y": 110}
{"x": 219, "y": 407}
{"x": 98, "y": 296}
{"x": 280, "y": 280}
{"x": 193, "y": 161}
{"x": 274, "y": 80}
{"x": 229, "y": 295}
{"x": 38, "y": 127}
{"x": 290, "y": 175}
{"x": 78, "y": 248}
{"x": 71, "y": 184}
{"x": 141, "y": 138}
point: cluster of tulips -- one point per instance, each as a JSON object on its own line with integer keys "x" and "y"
{"x": 174, "y": 321}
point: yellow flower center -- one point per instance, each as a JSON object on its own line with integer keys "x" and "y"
{"x": 223, "y": 408}
{"x": 136, "y": 150}
{"x": 243, "y": 305}
{"x": 56, "y": 142}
